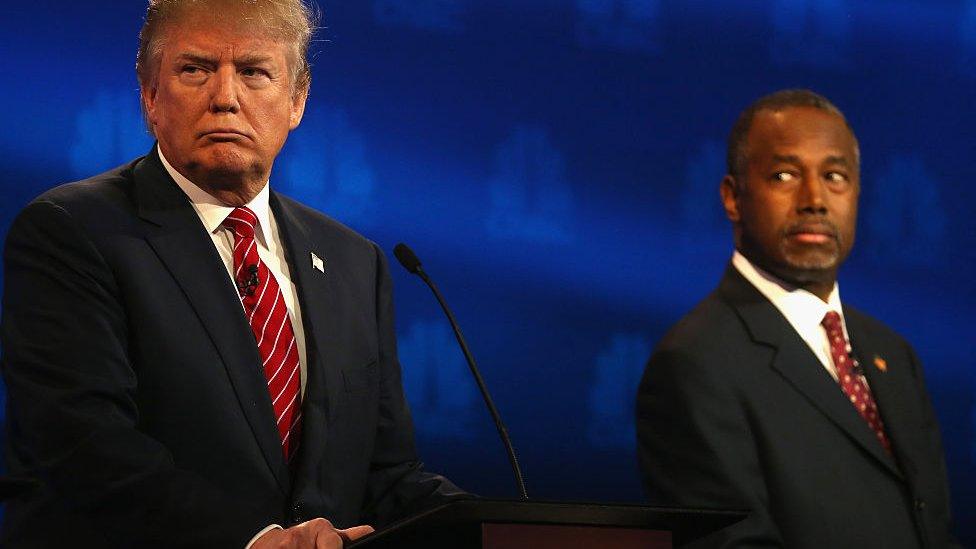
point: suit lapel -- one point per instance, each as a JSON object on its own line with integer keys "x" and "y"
{"x": 317, "y": 297}
{"x": 797, "y": 364}
{"x": 178, "y": 237}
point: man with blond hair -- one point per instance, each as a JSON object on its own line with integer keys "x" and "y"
{"x": 191, "y": 358}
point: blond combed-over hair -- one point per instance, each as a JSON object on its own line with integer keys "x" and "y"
{"x": 291, "y": 21}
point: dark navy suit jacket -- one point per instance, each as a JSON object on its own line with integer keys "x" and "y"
{"x": 735, "y": 411}
{"x": 135, "y": 392}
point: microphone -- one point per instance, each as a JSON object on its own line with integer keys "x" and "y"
{"x": 408, "y": 259}
{"x": 411, "y": 263}
{"x": 248, "y": 285}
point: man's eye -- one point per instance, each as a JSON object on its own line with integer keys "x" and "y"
{"x": 783, "y": 176}
{"x": 252, "y": 72}
{"x": 193, "y": 74}
{"x": 836, "y": 177}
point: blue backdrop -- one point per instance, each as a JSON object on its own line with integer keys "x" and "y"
{"x": 555, "y": 163}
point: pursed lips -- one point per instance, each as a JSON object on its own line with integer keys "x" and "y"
{"x": 224, "y": 134}
{"x": 812, "y": 233}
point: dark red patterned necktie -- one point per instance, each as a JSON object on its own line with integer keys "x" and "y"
{"x": 268, "y": 315}
{"x": 851, "y": 382}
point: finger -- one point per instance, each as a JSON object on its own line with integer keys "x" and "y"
{"x": 355, "y": 532}
{"x": 327, "y": 539}
{"x": 314, "y": 534}
{"x": 317, "y": 524}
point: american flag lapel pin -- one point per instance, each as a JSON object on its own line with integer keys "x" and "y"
{"x": 880, "y": 363}
{"x": 317, "y": 263}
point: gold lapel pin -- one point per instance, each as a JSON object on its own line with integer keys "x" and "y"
{"x": 880, "y": 363}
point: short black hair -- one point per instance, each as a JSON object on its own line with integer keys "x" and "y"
{"x": 735, "y": 157}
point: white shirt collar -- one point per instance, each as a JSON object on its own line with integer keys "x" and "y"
{"x": 801, "y": 308}
{"x": 212, "y": 211}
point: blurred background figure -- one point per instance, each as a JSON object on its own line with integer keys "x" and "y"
{"x": 773, "y": 396}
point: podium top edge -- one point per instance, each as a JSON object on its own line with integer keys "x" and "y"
{"x": 471, "y": 511}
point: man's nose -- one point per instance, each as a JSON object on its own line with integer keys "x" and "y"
{"x": 224, "y": 93}
{"x": 811, "y": 194}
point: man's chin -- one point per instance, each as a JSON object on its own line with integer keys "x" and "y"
{"x": 822, "y": 257}
{"x": 226, "y": 170}
{"x": 813, "y": 264}
{"x": 811, "y": 268}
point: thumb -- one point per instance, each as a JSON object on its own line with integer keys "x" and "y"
{"x": 356, "y": 532}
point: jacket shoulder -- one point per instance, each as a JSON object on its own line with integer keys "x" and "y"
{"x": 878, "y": 329}
{"x": 100, "y": 204}
{"x": 321, "y": 224}
{"x": 109, "y": 186}
{"x": 710, "y": 324}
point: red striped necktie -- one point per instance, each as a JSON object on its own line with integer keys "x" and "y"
{"x": 266, "y": 311}
{"x": 851, "y": 381}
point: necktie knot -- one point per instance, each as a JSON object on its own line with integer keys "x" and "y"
{"x": 831, "y": 322}
{"x": 242, "y": 221}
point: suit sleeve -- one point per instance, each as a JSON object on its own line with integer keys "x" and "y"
{"x": 398, "y": 485}
{"x": 696, "y": 450}
{"x": 73, "y": 420}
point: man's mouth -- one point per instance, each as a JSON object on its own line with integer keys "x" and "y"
{"x": 813, "y": 233}
{"x": 224, "y": 135}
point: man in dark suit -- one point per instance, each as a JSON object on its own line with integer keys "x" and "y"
{"x": 773, "y": 397}
{"x": 192, "y": 359}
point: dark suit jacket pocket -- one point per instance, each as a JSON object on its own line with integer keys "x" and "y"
{"x": 359, "y": 378}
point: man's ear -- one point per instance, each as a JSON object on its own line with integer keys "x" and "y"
{"x": 729, "y": 190}
{"x": 297, "y": 107}
{"x": 148, "y": 96}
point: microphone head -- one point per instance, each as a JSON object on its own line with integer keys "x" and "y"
{"x": 407, "y": 258}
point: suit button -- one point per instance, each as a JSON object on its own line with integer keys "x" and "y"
{"x": 919, "y": 505}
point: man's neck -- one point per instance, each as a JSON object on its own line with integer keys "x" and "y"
{"x": 819, "y": 283}
{"x": 236, "y": 197}
{"x": 819, "y": 289}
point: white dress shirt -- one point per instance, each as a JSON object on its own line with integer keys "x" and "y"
{"x": 803, "y": 310}
{"x": 213, "y": 212}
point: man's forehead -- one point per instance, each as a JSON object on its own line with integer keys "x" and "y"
{"x": 203, "y": 41}
{"x": 799, "y": 117}
{"x": 788, "y": 156}
{"x": 208, "y": 30}
{"x": 191, "y": 53}
{"x": 784, "y": 130}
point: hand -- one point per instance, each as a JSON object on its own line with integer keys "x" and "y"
{"x": 314, "y": 534}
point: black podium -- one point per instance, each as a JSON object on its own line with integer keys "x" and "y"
{"x": 500, "y": 524}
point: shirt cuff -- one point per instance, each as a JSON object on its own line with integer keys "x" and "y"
{"x": 266, "y": 529}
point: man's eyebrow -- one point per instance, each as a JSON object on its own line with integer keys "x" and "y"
{"x": 837, "y": 159}
{"x": 787, "y": 158}
{"x": 194, "y": 57}
{"x": 252, "y": 58}
{"x": 206, "y": 59}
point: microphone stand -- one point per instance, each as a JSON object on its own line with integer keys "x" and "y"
{"x": 410, "y": 262}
